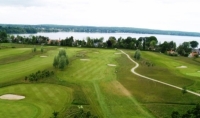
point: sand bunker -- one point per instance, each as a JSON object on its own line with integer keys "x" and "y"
{"x": 85, "y": 59}
{"x": 12, "y": 97}
{"x": 111, "y": 64}
{"x": 118, "y": 53}
{"x": 43, "y": 56}
{"x": 181, "y": 67}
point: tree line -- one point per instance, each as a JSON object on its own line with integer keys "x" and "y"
{"x": 142, "y": 43}
{"x": 6, "y": 38}
{"x": 17, "y": 30}
{"x": 12, "y": 28}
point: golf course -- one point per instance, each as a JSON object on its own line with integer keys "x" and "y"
{"x": 97, "y": 83}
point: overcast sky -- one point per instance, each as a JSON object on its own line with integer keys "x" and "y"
{"x": 182, "y": 15}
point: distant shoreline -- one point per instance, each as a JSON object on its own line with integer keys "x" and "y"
{"x": 104, "y": 33}
{"x": 32, "y": 29}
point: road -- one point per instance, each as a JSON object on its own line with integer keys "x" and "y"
{"x": 137, "y": 65}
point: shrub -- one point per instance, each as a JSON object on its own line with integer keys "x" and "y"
{"x": 42, "y": 50}
{"x": 137, "y": 54}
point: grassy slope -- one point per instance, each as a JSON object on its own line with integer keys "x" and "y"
{"x": 41, "y": 100}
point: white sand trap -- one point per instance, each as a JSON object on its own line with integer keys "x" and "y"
{"x": 181, "y": 67}
{"x": 85, "y": 59}
{"x": 43, "y": 56}
{"x": 12, "y": 97}
{"x": 111, "y": 64}
{"x": 118, "y": 53}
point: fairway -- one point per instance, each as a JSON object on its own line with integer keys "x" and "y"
{"x": 95, "y": 76}
{"x": 98, "y": 80}
{"x": 40, "y": 100}
{"x": 13, "y": 52}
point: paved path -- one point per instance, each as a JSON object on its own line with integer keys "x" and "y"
{"x": 137, "y": 65}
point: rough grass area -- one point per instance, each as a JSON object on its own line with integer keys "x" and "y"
{"x": 165, "y": 69}
{"x": 41, "y": 100}
{"x": 157, "y": 98}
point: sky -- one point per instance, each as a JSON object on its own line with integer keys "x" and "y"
{"x": 181, "y": 15}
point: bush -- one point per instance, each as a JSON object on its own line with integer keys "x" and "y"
{"x": 38, "y": 75}
{"x": 42, "y": 50}
{"x": 34, "y": 49}
{"x": 137, "y": 54}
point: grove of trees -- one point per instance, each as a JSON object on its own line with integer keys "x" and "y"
{"x": 61, "y": 60}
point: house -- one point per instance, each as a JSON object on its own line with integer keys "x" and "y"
{"x": 194, "y": 52}
{"x": 171, "y": 52}
{"x": 54, "y": 42}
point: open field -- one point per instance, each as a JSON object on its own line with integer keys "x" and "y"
{"x": 90, "y": 82}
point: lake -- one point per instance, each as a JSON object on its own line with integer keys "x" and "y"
{"x": 83, "y": 35}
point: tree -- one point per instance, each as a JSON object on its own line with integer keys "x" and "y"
{"x": 55, "y": 61}
{"x": 69, "y": 41}
{"x": 34, "y": 49}
{"x": 111, "y": 41}
{"x": 172, "y": 45}
{"x": 61, "y": 60}
{"x": 89, "y": 42}
{"x": 137, "y": 54}
{"x": 149, "y": 40}
{"x": 194, "y": 44}
{"x": 42, "y": 50}
{"x": 3, "y": 37}
{"x": 153, "y": 44}
{"x": 184, "y": 49}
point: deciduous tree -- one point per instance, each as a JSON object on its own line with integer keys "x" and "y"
{"x": 194, "y": 44}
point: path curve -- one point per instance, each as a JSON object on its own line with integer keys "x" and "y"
{"x": 137, "y": 65}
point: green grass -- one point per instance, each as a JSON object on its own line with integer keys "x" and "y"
{"x": 13, "y": 52}
{"x": 13, "y": 71}
{"x": 166, "y": 70}
{"x": 41, "y": 100}
{"x": 95, "y": 75}
{"x": 159, "y": 99}
{"x": 105, "y": 91}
